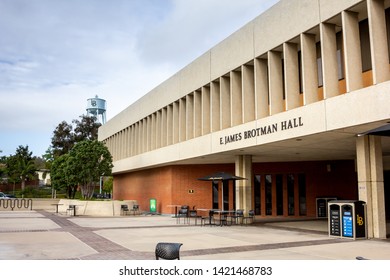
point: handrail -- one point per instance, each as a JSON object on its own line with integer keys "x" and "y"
{"x": 16, "y": 202}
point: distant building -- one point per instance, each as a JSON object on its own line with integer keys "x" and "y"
{"x": 44, "y": 177}
{"x": 286, "y": 102}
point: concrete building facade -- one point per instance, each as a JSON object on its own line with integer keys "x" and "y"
{"x": 283, "y": 102}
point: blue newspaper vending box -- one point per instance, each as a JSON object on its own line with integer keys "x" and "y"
{"x": 347, "y": 219}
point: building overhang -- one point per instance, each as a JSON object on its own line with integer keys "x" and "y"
{"x": 324, "y": 130}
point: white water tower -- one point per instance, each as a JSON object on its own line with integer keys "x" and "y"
{"x": 97, "y": 107}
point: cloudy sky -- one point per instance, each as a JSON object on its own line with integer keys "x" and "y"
{"x": 55, "y": 54}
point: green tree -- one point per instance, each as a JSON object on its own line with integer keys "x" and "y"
{"x": 66, "y": 135}
{"x": 86, "y": 128}
{"x": 62, "y": 140}
{"x": 88, "y": 161}
{"x": 61, "y": 177}
{"x": 21, "y": 166}
{"x": 108, "y": 185}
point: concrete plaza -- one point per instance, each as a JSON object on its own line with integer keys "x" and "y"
{"x": 44, "y": 235}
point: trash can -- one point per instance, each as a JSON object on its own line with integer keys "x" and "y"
{"x": 152, "y": 205}
{"x": 322, "y": 206}
{"x": 347, "y": 218}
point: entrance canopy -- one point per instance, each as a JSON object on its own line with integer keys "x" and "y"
{"x": 381, "y": 131}
{"x": 221, "y": 176}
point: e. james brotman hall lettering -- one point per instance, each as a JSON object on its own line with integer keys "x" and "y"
{"x": 260, "y": 131}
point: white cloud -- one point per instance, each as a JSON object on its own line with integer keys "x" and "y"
{"x": 193, "y": 27}
{"x": 55, "y": 54}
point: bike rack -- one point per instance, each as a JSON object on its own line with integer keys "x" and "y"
{"x": 16, "y": 203}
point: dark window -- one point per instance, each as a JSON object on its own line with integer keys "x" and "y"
{"x": 302, "y": 194}
{"x": 340, "y": 55}
{"x": 300, "y": 71}
{"x": 283, "y": 83}
{"x": 257, "y": 192}
{"x": 279, "y": 194}
{"x": 388, "y": 29}
{"x": 319, "y": 65}
{"x": 225, "y": 195}
{"x": 365, "y": 45}
{"x": 234, "y": 194}
{"x": 215, "y": 195}
{"x": 268, "y": 194}
{"x": 290, "y": 194}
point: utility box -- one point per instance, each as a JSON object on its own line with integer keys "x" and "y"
{"x": 322, "y": 206}
{"x": 347, "y": 219}
{"x": 153, "y": 205}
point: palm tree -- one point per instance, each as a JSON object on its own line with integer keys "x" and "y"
{"x": 26, "y": 170}
{"x": 21, "y": 166}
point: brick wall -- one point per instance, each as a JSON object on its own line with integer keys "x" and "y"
{"x": 178, "y": 185}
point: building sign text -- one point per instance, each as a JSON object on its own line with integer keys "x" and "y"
{"x": 260, "y": 131}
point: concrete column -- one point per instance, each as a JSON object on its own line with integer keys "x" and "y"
{"x": 121, "y": 140}
{"x": 131, "y": 141}
{"x": 141, "y": 137}
{"x": 378, "y": 41}
{"x": 164, "y": 127}
{"x": 370, "y": 183}
{"x": 197, "y": 113}
{"x": 153, "y": 131}
{"x": 148, "y": 135}
{"x": 291, "y": 75}
{"x": 261, "y": 88}
{"x": 176, "y": 123}
{"x": 136, "y": 138}
{"x": 275, "y": 78}
{"x": 226, "y": 120}
{"x": 309, "y": 69}
{"x": 170, "y": 125}
{"x": 182, "y": 119}
{"x": 189, "y": 123}
{"x": 144, "y": 137}
{"x": 248, "y": 93}
{"x": 329, "y": 60}
{"x": 117, "y": 146}
{"x": 352, "y": 51}
{"x": 158, "y": 128}
{"x": 236, "y": 97}
{"x": 244, "y": 187}
{"x": 206, "y": 110}
{"x": 215, "y": 92}
{"x": 126, "y": 143}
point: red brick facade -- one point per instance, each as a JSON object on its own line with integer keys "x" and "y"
{"x": 180, "y": 185}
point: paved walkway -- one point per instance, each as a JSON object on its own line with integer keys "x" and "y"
{"x": 44, "y": 235}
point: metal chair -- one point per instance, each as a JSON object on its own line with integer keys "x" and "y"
{"x": 223, "y": 215}
{"x": 182, "y": 213}
{"x": 251, "y": 217}
{"x": 71, "y": 210}
{"x": 193, "y": 214}
{"x": 135, "y": 209}
{"x": 209, "y": 218}
{"x": 168, "y": 251}
{"x": 236, "y": 216}
{"x": 124, "y": 209}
